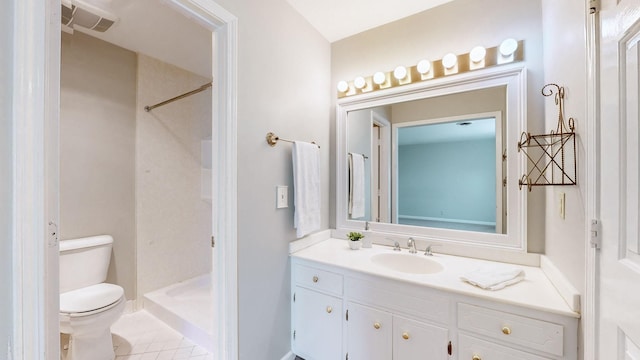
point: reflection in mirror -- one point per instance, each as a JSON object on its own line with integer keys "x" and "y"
{"x": 433, "y": 162}
{"x": 446, "y": 173}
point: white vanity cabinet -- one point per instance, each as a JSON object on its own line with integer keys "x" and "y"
{"x": 377, "y": 315}
{"x": 317, "y": 314}
{"x": 374, "y": 334}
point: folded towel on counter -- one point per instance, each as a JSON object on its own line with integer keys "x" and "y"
{"x": 356, "y": 186}
{"x": 494, "y": 276}
{"x": 306, "y": 187}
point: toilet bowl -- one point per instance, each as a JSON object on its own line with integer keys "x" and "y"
{"x": 88, "y": 305}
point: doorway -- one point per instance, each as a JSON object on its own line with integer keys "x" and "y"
{"x": 38, "y": 314}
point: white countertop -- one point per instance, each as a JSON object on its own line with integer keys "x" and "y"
{"x": 535, "y": 291}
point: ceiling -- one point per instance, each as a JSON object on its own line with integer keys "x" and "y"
{"x": 338, "y": 19}
{"x": 188, "y": 45}
{"x": 475, "y": 129}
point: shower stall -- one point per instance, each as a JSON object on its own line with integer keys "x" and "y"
{"x": 173, "y": 198}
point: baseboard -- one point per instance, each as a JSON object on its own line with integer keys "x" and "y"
{"x": 289, "y": 356}
{"x": 568, "y": 292}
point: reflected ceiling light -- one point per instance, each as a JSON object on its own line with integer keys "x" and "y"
{"x": 400, "y": 72}
{"x": 508, "y": 47}
{"x": 424, "y": 66}
{"x": 449, "y": 61}
{"x": 343, "y": 86}
{"x": 477, "y": 54}
{"x": 379, "y": 78}
{"x": 359, "y": 82}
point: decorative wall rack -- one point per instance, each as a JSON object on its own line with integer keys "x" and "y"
{"x": 551, "y": 157}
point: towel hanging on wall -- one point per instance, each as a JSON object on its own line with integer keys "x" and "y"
{"x": 306, "y": 187}
{"x": 356, "y": 186}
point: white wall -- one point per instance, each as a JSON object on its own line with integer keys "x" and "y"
{"x": 97, "y": 133}
{"x": 6, "y": 177}
{"x": 455, "y": 27}
{"x": 564, "y": 22}
{"x": 283, "y": 86}
{"x": 173, "y": 221}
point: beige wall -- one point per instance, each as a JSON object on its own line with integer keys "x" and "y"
{"x": 455, "y": 27}
{"x": 173, "y": 221}
{"x": 283, "y": 86}
{"x": 472, "y": 102}
{"x": 565, "y": 239}
{"x": 97, "y": 134}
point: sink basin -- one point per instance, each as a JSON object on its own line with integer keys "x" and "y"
{"x": 407, "y": 263}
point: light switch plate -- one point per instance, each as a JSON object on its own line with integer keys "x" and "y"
{"x": 282, "y": 197}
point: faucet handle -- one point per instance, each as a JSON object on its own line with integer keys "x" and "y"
{"x": 396, "y": 244}
{"x": 428, "y": 251}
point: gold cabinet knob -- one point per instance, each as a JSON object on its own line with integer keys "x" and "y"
{"x": 405, "y": 335}
{"x": 329, "y": 309}
{"x": 506, "y": 330}
{"x": 315, "y": 279}
{"x": 376, "y": 325}
{"x": 476, "y": 357}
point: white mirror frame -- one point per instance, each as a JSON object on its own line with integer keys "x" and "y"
{"x": 514, "y": 78}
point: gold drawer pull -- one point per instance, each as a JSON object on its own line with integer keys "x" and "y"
{"x": 405, "y": 335}
{"x": 315, "y": 279}
{"x": 329, "y": 309}
{"x": 376, "y": 326}
{"x": 476, "y": 357}
{"x": 506, "y": 330}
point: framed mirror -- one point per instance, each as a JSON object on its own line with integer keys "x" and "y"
{"x": 432, "y": 159}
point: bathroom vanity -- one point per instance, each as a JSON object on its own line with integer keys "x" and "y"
{"x": 381, "y": 304}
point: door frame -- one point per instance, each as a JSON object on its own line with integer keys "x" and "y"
{"x": 36, "y": 59}
{"x": 592, "y": 180}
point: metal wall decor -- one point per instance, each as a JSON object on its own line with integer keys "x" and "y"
{"x": 551, "y": 157}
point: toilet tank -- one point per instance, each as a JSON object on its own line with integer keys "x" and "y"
{"x": 84, "y": 261}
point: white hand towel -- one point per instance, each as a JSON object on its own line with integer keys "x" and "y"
{"x": 356, "y": 185}
{"x": 306, "y": 188}
{"x": 494, "y": 276}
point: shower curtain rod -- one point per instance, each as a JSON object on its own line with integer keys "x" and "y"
{"x": 200, "y": 89}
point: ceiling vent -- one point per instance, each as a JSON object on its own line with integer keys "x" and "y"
{"x": 79, "y": 13}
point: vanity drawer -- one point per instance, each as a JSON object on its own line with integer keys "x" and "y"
{"x": 476, "y": 349}
{"x": 421, "y": 303}
{"x": 317, "y": 279}
{"x": 511, "y": 328}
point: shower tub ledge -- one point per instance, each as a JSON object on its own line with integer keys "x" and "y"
{"x": 187, "y": 307}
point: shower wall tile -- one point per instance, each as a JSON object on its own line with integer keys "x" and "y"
{"x": 173, "y": 221}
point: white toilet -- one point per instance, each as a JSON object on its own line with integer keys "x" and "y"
{"x": 88, "y": 305}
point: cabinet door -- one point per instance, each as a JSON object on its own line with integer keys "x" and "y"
{"x": 317, "y": 325}
{"x": 368, "y": 333}
{"x": 414, "y": 340}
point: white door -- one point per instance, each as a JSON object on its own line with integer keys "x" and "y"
{"x": 317, "y": 325}
{"x": 414, "y": 340}
{"x": 618, "y": 276}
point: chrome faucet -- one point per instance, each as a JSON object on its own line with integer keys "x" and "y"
{"x": 396, "y": 246}
{"x": 411, "y": 244}
{"x": 428, "y": 251}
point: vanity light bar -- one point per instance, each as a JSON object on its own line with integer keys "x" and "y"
{"x": 478, "y": 58}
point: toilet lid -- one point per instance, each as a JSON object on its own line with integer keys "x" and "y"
{"x": 90, "y": 298}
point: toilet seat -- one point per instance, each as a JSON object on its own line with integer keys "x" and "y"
{"x": 90, "y": 300}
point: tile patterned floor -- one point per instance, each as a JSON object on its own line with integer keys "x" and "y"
{"x": 140, "y": 336}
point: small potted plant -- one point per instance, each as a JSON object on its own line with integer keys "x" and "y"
{"x": 355, "y": 241}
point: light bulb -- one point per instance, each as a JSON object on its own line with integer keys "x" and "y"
{"x": 359, "y": 82}
{"x": 508, "y": 47}
{"x": 424, "y": 66}
{"x": 343, "y": 86}
{"x": 449, "y": 61}
{"x": 400, "y": 72}
{"x": 477, "y": 54}
{"x": 379, "y": 78}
